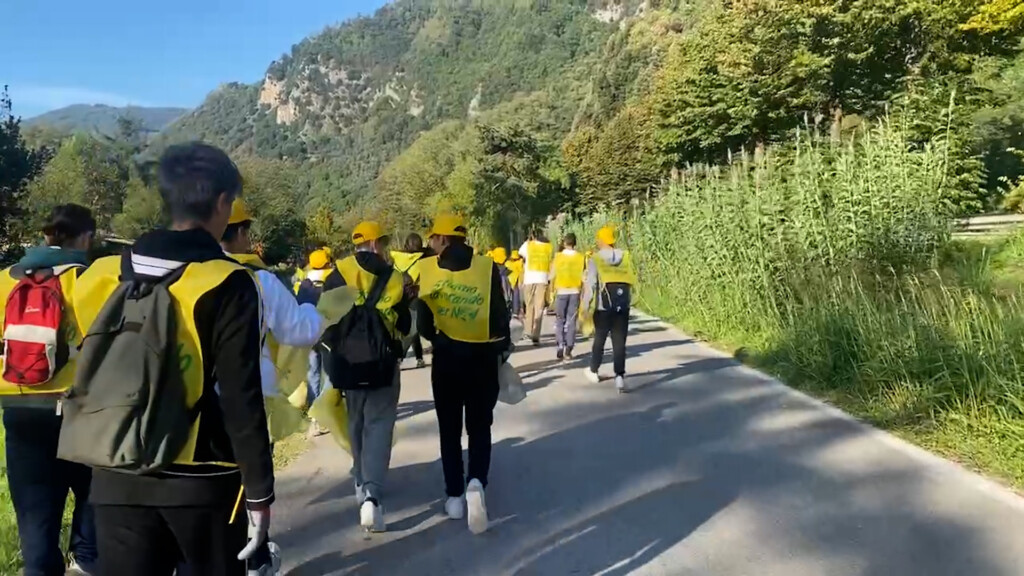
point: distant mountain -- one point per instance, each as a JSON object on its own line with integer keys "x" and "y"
{"x": 102, "y": 119}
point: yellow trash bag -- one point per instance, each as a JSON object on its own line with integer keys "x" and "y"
{"x": 586, "y": 315}
{"x": 283, "y": 419}
{"x": 330, "y": 412}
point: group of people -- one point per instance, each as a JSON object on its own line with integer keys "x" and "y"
{"x": 155, "y": 495}
{"x": 596, "y": 283}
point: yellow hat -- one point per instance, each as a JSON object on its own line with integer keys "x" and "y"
{"x": 318, "y": 260}
{"x": 367, "y": 232}
{"x": 239, "y": 213}
{"x": 606, "y": 235}
{"x": 514, "y": 255}
{"x": 498, "y": 255}
{"x": 448, "y": 225}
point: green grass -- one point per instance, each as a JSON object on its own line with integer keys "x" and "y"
{"x": 832, "y": 267}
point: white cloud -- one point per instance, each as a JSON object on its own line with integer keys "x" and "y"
{"x": 30, "y": 99}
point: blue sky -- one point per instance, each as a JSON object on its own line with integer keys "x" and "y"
{"x": 149, "y": 52}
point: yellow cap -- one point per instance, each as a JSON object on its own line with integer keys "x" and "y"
{"x": 514, "y": 255}
{"x": 318, "y": 259}
{"x": 327, "y": 250}
{"x": 448, "y": 225}
{"x": 606, "y": 235}
{"x": 239, "y": 213}
{"x": 498, "y": 255}
{"x": 367, "y": 232}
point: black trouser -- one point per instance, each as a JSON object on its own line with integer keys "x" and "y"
{"x": 39, "y": 485}
{"x": 616, "y": 324}
{"x": 464, "y": 385}
{"x": 154, "y": 540}
{"x": 417, "y": 347}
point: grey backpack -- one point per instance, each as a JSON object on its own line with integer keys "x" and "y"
{"x": 127, "y": 409}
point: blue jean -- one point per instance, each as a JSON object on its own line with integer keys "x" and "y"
{"x": 567, "y": 307}
{"x": 517, "y": 302}
{"x": 39, "y": 485}
{"x": 314, "y": 378}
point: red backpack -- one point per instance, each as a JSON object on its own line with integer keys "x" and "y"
{"x": 35, "y": 346}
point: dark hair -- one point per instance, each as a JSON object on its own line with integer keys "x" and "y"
{"x": 233, "y": 230}
{"x": 455, "y": 239}
{"x": 413, "y": 242}
{"x": 569, "y": 240}
{"x": 67, "y": 222}
{"x": 191, "y": 178}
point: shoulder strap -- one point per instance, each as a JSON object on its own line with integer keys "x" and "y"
{"x": 377, "y": 290}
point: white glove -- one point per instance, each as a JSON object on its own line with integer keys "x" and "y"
{"x": 259, "y": 526}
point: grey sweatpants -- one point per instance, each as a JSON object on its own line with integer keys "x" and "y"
{"x": 567, "y": 307}
{"x": 371, "y": 428}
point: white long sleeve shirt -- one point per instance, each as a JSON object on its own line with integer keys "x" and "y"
{"x": 290, "y": 323}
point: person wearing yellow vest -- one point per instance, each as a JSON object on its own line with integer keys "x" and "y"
{"x": 149, "y": 524}
{"x": 567, "y": 278}
{"x": 407, "y": 261}
{"x": 372, "y": 413}
{"x": 285, "y": 321}
{"x": 39, "y": 482}
{"x": 610, "y": 279}
{"x": 462, "y": 311}
{"x": 538, "y": 254}
{"x": 514, "y": 265}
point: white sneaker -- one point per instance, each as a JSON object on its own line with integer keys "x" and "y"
{"x": 371, "y": 517}
{"x": 477, "y": 507}
{"x": 360, "y": 494}
{"x": 620, "y": 384}
{"x": 591, "y": 376}
{"x": 454, "y": 508}
{"x": 75, "y": 569}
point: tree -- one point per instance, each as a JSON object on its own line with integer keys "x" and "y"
{"x": 18, "y": 166}
{"x": 271, "y": 193}
{"x": 143, "y": 210}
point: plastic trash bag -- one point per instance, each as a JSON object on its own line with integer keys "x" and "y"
{"x": 283, "y": 419}
{"x": 330, "y": 412}
{"x": 292, "y": 362}
{"x": 516, "y": 329}
{"x": 511, "y": 389}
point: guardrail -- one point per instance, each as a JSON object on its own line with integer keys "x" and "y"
{"x": 987, "y": 225}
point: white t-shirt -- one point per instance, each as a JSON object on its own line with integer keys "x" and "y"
{"x": 531, "y": 276}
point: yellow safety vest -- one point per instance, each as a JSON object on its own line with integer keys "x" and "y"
{"x": 538, "y": 256}
{"x": 62, "y": 380}
{"x": 460, "y": 301}
{"x": 569, "y": 270}
{"x": 621, "y": 274}
{"x": 515, "y": 271}
{"x": 408, "y": 263}
{"x": 362, "y": 280}
{"x": 253, "y": 262}
{"x": 95, "y": 286}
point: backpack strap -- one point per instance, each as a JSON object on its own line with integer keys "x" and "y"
{"x": 377, "y": 290}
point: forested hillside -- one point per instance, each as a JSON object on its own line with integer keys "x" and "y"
{"x": 102, "y": 119}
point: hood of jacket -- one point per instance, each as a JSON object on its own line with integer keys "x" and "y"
{"x": 50, "y": 256}
{"x": 158, "y": 253}
{"x": 612, "y": 256}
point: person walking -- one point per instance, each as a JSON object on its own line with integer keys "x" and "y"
{"x": 285, "y": 322}
{"x": 372, "y": 411}
{"x": 567, "y": 278}
{"x": 463, "y": 312}
{"x": 407, "y": 262}
{"x": 149, "y": 523}
{"x": 514, "y": 265}
{"x": 538, "y": 254}
{"x": 610, "y": 279}
{"x": 38, "y": 481}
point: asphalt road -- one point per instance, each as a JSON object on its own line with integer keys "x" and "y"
{"x": 706, "y": 468}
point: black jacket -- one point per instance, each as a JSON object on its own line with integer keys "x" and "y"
{"x": 375, "y": 264}
{"x": 232, "y": 420}
{"x": 458, "y": 257}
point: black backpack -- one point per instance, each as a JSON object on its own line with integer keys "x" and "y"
{"x": 615, "y": 297}
{"x": 359, "y": 352}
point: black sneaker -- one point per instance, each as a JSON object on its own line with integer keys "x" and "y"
{"x": 560, "y": 354}
{"x": 568, "y": 354}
